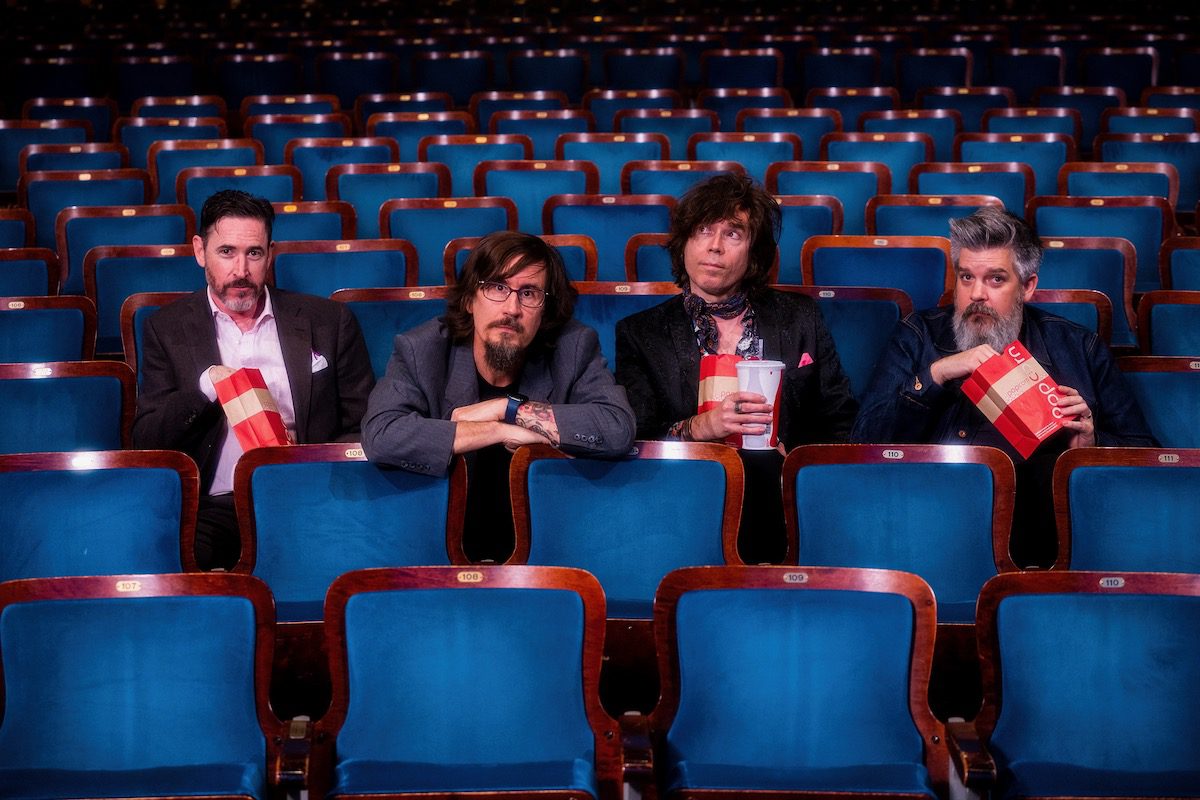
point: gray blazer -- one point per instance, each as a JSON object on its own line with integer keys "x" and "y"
{"x": 180, "y": 342}
{"x": 408, "y": 415}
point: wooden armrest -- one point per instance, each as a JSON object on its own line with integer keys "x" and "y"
{"x": 638, "y": 753}
{"x": 971, "y": 760}
{"x": 294, "y": 750}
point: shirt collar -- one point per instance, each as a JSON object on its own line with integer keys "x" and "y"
{"x": 266, "y": 313}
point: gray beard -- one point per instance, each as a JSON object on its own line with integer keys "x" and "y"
{"x": 1001, "y": 331}
{"x": 503, "y": 358}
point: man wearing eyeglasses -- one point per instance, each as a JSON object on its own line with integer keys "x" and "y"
{"x": 506, "y": 366}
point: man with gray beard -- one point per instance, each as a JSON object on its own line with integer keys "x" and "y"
{"x": 506, "y": 366}
{"x": 915, "y": 395}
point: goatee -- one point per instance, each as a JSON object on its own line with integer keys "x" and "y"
{"x": 981, "y": 324}
{"x": 503, "y": 357}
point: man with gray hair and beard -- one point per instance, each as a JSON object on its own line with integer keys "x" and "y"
{"x": 915, "y": 395}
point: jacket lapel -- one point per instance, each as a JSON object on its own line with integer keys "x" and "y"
{"x": 462, "y": 383}
{"x": 295, "y": 342}
{"x": 686, "y": 355}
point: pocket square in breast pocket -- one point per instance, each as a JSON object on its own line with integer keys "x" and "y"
{"x": 318, "y": 362}
{"x": 805, "y": 360}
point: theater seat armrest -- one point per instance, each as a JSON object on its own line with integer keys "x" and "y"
{"x": 972, "y": 762}
{"x": 638, "y": 754}
{"x": 294, "y": 750}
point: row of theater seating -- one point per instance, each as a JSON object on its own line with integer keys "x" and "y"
{"x": 746, "y": 647}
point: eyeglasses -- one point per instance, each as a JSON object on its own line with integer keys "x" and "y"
{"x": 528, "y": 296}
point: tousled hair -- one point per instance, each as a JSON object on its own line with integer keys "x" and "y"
{"x": 992, "y": 228}
{"x": 490, "y": 261}
{"x": 235, "y": 203}
{"x": 723, "y": 197}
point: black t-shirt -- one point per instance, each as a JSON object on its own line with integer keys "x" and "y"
{"x": 488, "y": 527}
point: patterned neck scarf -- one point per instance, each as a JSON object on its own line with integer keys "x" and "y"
{"x": 704, "y": 323}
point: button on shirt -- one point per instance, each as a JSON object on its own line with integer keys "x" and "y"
{"x": 258, "y": 348}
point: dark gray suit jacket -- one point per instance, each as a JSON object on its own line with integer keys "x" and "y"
{"x": 408, "y": 416}
{"x": 180, "y": 342}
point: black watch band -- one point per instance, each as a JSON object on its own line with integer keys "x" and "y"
{"x": 515, "y": 399}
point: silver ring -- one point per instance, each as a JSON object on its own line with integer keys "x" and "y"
{"x": 737, "y": 407}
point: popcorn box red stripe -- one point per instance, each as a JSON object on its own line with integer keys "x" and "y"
{"x": 251, "y": 410}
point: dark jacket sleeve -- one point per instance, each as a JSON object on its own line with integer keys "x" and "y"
{"x": 355, "y": 378}
{"x": 819, "y": 404}
{"x": 639, "y": 369}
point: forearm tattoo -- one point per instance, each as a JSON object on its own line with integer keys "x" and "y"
{"x": 539, "y": 418}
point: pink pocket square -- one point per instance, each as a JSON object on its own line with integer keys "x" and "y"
{"x": 805, "y": 360}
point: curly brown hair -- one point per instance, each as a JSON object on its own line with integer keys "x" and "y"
{"x": 499, "y": 256}
{"x": 723, "y": 197}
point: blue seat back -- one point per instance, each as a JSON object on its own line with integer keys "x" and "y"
{"x": 853, "y": 189}
{"x": 431, "y": 229}
{"x": 799, "y": 223}
{"x": 677, "y": 129}
{"x": 1174, "y": 329}
{"x": 673, "y": 182}
{"x": 972, "y": 107}
{"x": 602, "y": 516}
{"x": 1080, "y": 312}
{"x": 307, "y": 225}
{"x": 486, "y": 105}
{"x": 41, "y": 334}
{"x": 1134, "y": 518}
{"x": 121, "y": 275}
{"x": 84, "y": 233}
{"x": 544, "y": 132}
{"x": 861, "y": 328}
{"x": 13, "y": 139}
{"x": 529, "y": 189}
{"x": 14, "y": 232}
{"x": 275, "y": 135}
{"x": 882, "y": 516}
{"x": 727, "y": 106}
{"x": 755, "y": 156}
{"x": 382, "y": 320}
{"x": 920, "y": 272}
{"x": 941, "y": 129}
{"x": 1064, "y": 679}
{"x": 1118, "y": 184}
{"x": 408, "y": 133}
{"x": 1168, "y": 400}
{"x": 1183, "y": 265}
{"x": 1102, "y": 269}
{"x": 852, "y": 107}
{"x": 1141, "y": 225}
{"x": 323, "y": 273}
{"x": 276, "y": 188}
{"x": 1044, "y": 157}
{"x": 899, "y": 157}
{"x": 367, "y": 192}
{"x": 653, "y": 263}
{"x": 1009, "y": 187}
{"x": 793, "y": 663}
{"x": 1090, "y": 107}
{"x": 58, "y": 413}
{"x": 1182, "y": 150}
{"x": 919, "y": 220}
{"x": 461, "y": 160}
{"x": 48, "y": 197}
{"x": 28, "y": 272}
{"x": 823, "y": 68}
{"x": 610, "y": 227}
{"x": 610, "y": 157}
{"x": 84, "y": 160}
{"x": 314, "y": 161}
{"x": 188, "y": 657}
{"x": 810, "y": 129}
{"x": 171, "y": 162}
{"x": 513, "y": 654}
{"x": 138, "y": 138}
{"x": 316, "y": 520}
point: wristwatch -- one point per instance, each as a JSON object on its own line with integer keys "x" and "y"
{"x": 515, "y": 399}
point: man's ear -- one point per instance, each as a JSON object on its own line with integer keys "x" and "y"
{"x": 198, "y": 249}
{"x": 1030, "y": 287}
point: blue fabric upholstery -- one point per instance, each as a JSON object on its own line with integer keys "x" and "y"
{"x": 503, "y": 653}
{"x": 972, "y": 107}
{"x": 47, "y": 198}
{"x": 126, "y": 685}
{"x": 202, "y": 779}
{"x": 1185, "y": 155}
{"x": 41, "y": 334}
{"x": 275, "y": 135}
{"x": 138, "y": 138}
{"x": 927, "y": 220}
{"x": 276, "y": 188}
{"x": 314, "y": 162}
{"x": 1082, "y": 313}
{"x": 1008, "y": 186}
{"x": 1096, "y": 694}
{"x": 667, "y": 181}
{"x": 1090, "y": 107}
{"x": 1101, "y": 269}
{"x": 853, "y": 106}
{"x": 431, "y": 229}
{"x": 408, "y": 133}
{"x": 1118, "y": 184}
{"x": 861, "y": 330}
{"x": 1045, "y": 158}
{"x": 1174, "y": 329}
{"x": 1185, "y": 268}
{"x": 1038, "y": 123}
{"x": 677, "y": 130}
{"x": 12, "y": 233}
{"x": 610, "y": 157}
{"x": 1128, "y": 123}
{"x": 603, "y": 311}
{"x": 918, "y": 271}
{"x": 1143, "y": 226}
{"x": 368, "y": 192}
{"x": 171, "y": 162}
{"x": 543, "y": 132}
{"x": 809, "y": 129}
{"x": 84, "y": 233}
{"x": 853, "y": 189}
{"x": 530, "y": 188}
{"x": 381, "y": 321}
{"x": 306, "y": 225}
{"x": 653, "y": 264}
{"x": 314, "y": 521}
{"x": 23, "y": 277}
{"x": 754, "y": 156}
{"x": 843, "y": 68}
{"x": 323, "y": 274}
{"x": 604, "y": 110}
{"x": 486, "y": 106}
{"x": 728, "y": 106}
{"x": 608, "y": 517}
{"x": 1134, "y": 519}
{"x": 107, "y": 521}
{"x": 770, "y": 679}
{"x": 103, "y": 159}
{"x": 886, "y": 516}
{"x": 799, "y": 223}
{"x": 52, "y": 414}
{"x": 610, "y": 227}
{"x": 12, "y": 140}
{"x": 940, "y": 129}
{"x": 118, "y": 277}
{"x": 1169, "y": 401}
{"x": 461, "y": 160}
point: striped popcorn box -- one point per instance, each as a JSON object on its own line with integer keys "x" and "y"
{"x": 718, "y": 378}
{"x": 250, "y": 409}
{"x": 1018, "y": 396}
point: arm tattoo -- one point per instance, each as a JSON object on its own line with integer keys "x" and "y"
{"x": 539, "y": 418}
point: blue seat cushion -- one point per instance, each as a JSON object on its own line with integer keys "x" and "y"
{"x": 356, "y": 776}
{"x": 1051, "y": 779}
{"x": 896, "y": 778}
{"x": 245, "y": 780}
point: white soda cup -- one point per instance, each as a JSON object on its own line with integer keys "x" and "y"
{"x": 765, "y": 378}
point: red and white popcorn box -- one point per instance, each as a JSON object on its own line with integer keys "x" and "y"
{"x": 251, "y": 410}
{"x": 1018, "y": 396}
{"x": 718, "y": 379}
